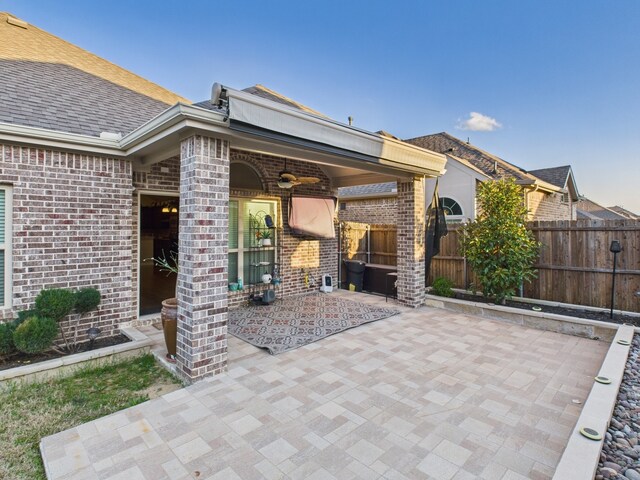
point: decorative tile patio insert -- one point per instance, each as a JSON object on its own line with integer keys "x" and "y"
{"x": 293, "y": 322}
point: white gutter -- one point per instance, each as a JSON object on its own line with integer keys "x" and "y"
{"x": 169, "y": 118}
{"x": 11, "y": 133}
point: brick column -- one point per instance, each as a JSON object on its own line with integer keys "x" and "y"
{"x": 411, "y": 233}
{"x": 202, "y": 279}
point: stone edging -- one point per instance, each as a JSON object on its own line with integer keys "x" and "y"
{"x": 64, "y": 366}
{"x": 580, "y": 327}
{"x": 581, "y": 455}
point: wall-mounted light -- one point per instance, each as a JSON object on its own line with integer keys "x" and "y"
{"x": 174, "y": 210}
{"x": 165, "y": 210}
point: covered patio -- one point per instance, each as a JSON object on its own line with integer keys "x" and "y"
{"x": 425, "y": 394}
{"x": 191, "y": 151}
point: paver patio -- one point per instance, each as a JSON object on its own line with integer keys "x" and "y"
{"x": 425, "y": 394}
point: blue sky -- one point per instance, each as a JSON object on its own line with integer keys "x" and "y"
{"x": 550, "y": 82}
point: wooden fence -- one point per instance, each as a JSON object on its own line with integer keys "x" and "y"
{"x": 575, "y": 265}
{"x": 369, "y": 243}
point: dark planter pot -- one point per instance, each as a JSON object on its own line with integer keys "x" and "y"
{"x": 169, "y": 316}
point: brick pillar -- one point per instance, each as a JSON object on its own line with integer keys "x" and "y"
{"x": 202, "y": 279}
{"x": 411, "y": 233}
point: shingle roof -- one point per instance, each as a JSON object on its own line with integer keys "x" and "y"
{"x": 49, "y": 83}
{"x": 589, "y": 209}
{"x": 368, "y": 190}
{"x": 625, "y": 213}
{"x": 489, "y": 164}
{"x": 557, "y": 176}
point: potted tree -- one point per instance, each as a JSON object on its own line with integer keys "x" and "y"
{"x": 169, "y": 312}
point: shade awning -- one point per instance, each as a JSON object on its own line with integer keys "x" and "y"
{"x": 312, "y": 216}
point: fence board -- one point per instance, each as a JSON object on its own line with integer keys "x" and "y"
{"x": 574, "y": 266}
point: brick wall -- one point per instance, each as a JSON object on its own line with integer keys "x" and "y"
{"x": 548, "y": 206}
{"x": 315, "y": 257}
{"x": 71, "y": 228}
{"x": 370, "y": 210}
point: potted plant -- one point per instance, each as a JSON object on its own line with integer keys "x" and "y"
{"x": 169, "y": 312}
{"x": 266, "y": 238}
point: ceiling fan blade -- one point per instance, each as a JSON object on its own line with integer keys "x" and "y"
{"x": 288, "y": 176}
{"x": 308, "y": 179}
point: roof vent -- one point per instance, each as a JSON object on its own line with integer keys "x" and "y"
{"x": 17, "y": 22}
{"x": 110, "y": 136}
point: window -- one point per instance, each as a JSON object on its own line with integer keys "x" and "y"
{"x": 5, "y": 246}
{"x": 450, "y": 206}
{"x": 247, "y": 259}
{"x": 243, "y": 176}
{"x": 343, "y": 205}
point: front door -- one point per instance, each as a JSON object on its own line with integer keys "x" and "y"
{"x": 158, "y": 239}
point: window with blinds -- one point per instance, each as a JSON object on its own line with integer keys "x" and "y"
{"x": 5, "y": 247}
{"x": 242, "y": 245}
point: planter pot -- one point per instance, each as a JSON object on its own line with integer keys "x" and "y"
{"x": 169, "y": 316}
{"x": 266, "y": 242}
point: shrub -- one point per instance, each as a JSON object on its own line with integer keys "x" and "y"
{"x": 442, "y": 287}
{"x": 23, "y": 315}
{"x": 498, "y": 246}
{"x": 87, "y": 299}
{"x": 6, "y": 338}
{"x": 55, "y": 303}
{"x": 35, "y": 334}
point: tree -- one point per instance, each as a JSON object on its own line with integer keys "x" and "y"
{"x": 498, "y": 246}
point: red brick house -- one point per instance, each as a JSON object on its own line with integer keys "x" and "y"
{"x": 549, "y": 194}
{"x": 100, "y": 169}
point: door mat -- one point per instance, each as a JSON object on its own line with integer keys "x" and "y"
{"x": 296, "y": 321}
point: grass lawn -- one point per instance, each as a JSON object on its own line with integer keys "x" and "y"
{"x": 29, "y": 412}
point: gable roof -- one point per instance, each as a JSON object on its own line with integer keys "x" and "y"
{"x": 49, "y": 83}
{"x": 491, "y": 165}
{"x": 557, "y": 176}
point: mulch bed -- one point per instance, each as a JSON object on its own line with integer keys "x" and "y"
{"x": 21, "y": 359}
{"x": 601, "y": 315}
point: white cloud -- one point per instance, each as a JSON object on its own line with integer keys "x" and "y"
{"x": 478, "y": 122}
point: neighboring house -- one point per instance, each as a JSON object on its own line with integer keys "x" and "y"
{"x": 590, "y": 210}
{"x": 625, "y": 213}
{"x": 101, "y": 169}
{"x": 549, "y": 194}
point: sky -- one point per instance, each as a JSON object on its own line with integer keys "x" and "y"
{"x": 538, "y": 83}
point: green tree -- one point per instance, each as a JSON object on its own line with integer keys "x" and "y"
{"x": 498, "y": 246}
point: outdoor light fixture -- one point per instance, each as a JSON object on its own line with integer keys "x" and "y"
{"x": 283, "y": 183}
{"x": 174, "y": 210}
{"x": 165, "y": 210}
{"x": 93, "y": 333}
{"x": 615, "y": 248}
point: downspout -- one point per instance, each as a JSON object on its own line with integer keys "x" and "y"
{"x": 339, "y": 254}
{"x": 526, "y": 196}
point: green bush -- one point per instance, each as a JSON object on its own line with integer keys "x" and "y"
{"x": 87, "y": 299}
{"x": 35, "y": 334}
{"x": 442, "y": 287}
{"x": 6, "y": 338}
{"x": 497, "y": 244}
{"x": 23, "y": 315}
{"x": 55, "y": 303}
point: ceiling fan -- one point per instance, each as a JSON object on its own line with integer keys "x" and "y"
{"x": 288, "y": 180}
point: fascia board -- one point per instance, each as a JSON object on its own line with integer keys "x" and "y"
{"x": 163, "y": 124}
{"x": 42, "y": 137}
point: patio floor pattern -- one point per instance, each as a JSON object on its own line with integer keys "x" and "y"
{"x": 425, "y": 394}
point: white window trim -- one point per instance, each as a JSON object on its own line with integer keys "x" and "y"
{"x": 7, "y": 248}
{"x": 240, "y": 250}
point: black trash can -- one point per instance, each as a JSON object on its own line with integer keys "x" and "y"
{"x": 355, "y": 273}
